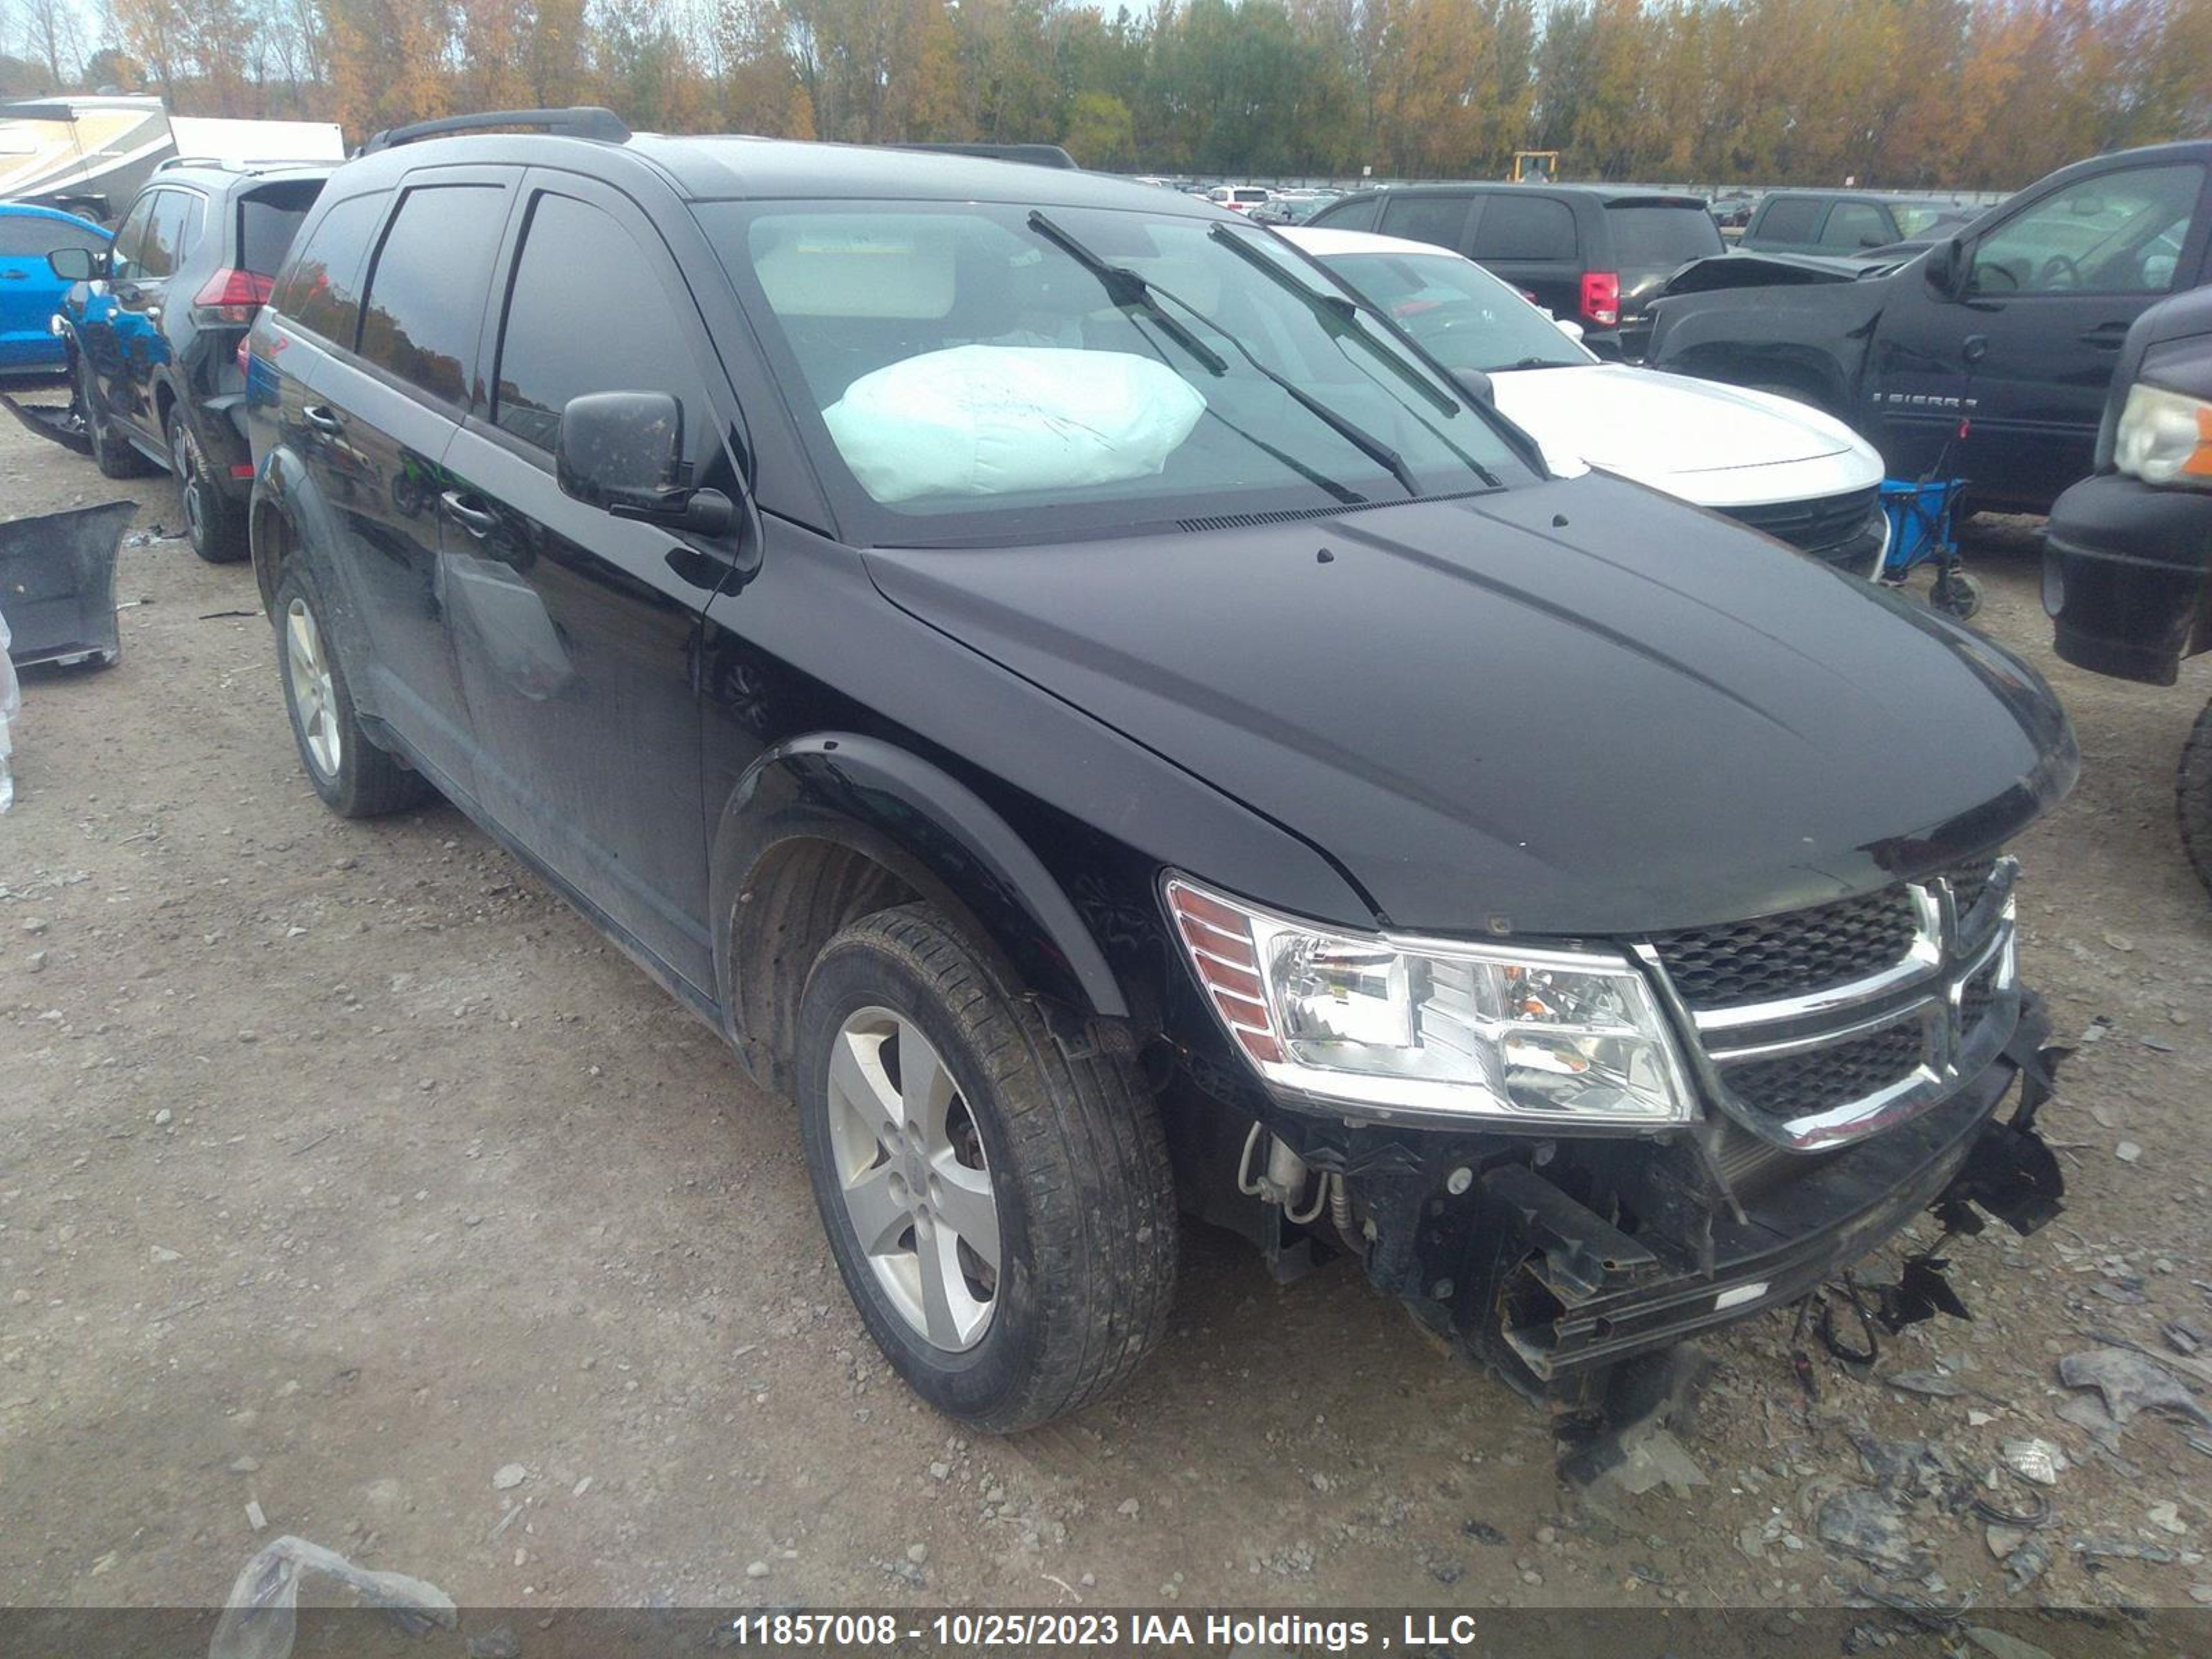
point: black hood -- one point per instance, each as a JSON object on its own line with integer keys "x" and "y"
{"x": 1575, "y": 708}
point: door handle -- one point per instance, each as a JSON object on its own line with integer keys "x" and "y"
{"x": 2107, "y": 335}
{"x": 14, "y": 275}
{"x": 478, "y": 521}
{"x": 322, "y": 419}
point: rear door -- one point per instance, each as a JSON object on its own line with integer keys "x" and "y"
{"x": 142, "y": 296}
{"x": 578, "y": 633}
{"x": 384, "y": 412}
{"x": 1530, "y": 241}
{"x": 2052, "y": 288}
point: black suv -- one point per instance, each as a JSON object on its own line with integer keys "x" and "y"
{"x": 156, "y": 323}
{"x": 1104, "y": 725}
{"x": 1596, "y": 255}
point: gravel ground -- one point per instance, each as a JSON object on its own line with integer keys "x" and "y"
{"x": 349, "y": 1180}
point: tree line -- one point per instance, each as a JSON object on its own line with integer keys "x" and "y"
{"x": 1968, "y": 94}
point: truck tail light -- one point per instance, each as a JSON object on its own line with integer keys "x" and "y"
{"x": 1601, "y": 298}
{"x": 231, "y": 296}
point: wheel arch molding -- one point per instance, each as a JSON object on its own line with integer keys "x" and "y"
{"x": 823, "y": 829}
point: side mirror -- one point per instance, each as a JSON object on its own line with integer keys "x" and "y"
{"x": 622, "y": 451}
{"x": 1476, "y": 385}
{"x": 1570, "y": 327}
{"x": 76, "y": 264}
{"x": 1945, "y": 268}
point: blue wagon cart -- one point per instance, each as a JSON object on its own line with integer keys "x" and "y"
{"x": 1920, "y": 532}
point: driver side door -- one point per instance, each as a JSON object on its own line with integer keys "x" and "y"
{"x": 2052, "y": 288}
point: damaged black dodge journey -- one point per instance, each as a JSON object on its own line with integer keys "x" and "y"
{"x": 1110, "y": 730}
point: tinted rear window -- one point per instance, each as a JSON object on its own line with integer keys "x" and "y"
{"x": 267, "y": 222}
{"x": 1524, "y": 227}
{"x": 1438, "y": 219}
{"x": 426, "y": 290}
{"x": 1353, "y": 216}
{"x": 322, "y": 290}
{"x": 1793, "y": 221}
{"x": 27, "y": 236}
{"x": 1660, "y": 236}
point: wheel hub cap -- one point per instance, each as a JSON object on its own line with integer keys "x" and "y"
{"x": 314, "y": 698}
{"x": 914, "y": 1178}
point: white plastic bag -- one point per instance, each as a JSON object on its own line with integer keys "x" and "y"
{"x": 262, "y": 1616}
{"x": 11, "y": 705}
{"x": 984, "y": 420}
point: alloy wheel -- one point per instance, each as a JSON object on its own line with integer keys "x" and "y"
{"x": 314, "y": 697}
{"x": 192, "y": 481}
{"x": 916, "y": 1182}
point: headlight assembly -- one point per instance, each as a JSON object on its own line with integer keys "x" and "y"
{"x": 1378, "y": 1026}
{"x": 2165, "y": 438}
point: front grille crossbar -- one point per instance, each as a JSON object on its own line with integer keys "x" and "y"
{"x": 1866, "y": 1011}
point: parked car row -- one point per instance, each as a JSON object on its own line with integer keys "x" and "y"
{"x": 2038, "y": 292}
{"x": 1109, "y": 721}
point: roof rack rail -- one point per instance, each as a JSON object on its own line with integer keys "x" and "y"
{"x": 1036, "y": 156}
{"x": 582, "y": 121}
{"x": 230, "y": 164}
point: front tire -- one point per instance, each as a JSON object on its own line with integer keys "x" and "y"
{"x": 212, "y": 520}
{"x": 354, "y": 778}
{"x": 2192, "y": 797}
{"x": 1002, "y": 1213}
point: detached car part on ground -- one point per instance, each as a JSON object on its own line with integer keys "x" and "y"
{"x": 1107, "y": 726}
{"x": 1774, "y": 463}
{"x": 2128, "y": 564}
{"x": 2048, "y": 283}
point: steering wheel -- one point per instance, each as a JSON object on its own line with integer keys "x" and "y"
{"x": 2059, "y": 271}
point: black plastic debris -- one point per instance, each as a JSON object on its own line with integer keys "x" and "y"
{"x": 63, "y": 426}
{"x": 58, "y": 584}
{"x": 2130, "y": 1382}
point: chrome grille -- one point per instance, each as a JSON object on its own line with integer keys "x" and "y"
{"x": 1821, "y": 1026}
{"x": 1788, "y": 956}
{"x": 1821, "y": 1080}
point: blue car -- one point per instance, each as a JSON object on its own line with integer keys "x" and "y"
{"x": 30, "y": 293}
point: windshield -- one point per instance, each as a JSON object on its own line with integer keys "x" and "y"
{"x": 986, "y": 371}
{"x": 1462, "y": 316}
{"x": 1655, "y": 237}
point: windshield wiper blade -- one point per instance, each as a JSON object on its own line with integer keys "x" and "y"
{"x": 1338, "y": 315}
{"x": 1128, "y": 290}
{"x": 1345, "y": 428}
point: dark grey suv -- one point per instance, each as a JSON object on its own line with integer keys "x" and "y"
{"x": 156, "y": 323}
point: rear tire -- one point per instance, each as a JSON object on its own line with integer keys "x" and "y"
{"x": 356, "y": 779}
{"x": 213, "y": 522}
{"x": 1054, "y": 1165}
{"x": 112, "y": 453}
{"x": 2192, "y": 797}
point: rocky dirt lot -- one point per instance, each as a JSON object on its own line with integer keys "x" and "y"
{"x": 352, "y": 1188}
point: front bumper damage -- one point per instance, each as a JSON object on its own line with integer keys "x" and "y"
{"x": 1556, "y": 1269}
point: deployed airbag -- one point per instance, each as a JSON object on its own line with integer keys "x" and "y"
{"x": 983, "y": 420}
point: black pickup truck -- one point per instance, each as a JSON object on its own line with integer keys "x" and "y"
{"x": 2050, "y": 281}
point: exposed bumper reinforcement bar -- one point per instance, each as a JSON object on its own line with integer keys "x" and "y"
{"x": 1560, "y": 1294}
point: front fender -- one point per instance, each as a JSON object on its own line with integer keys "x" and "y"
{"x": 933, "y": 833}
